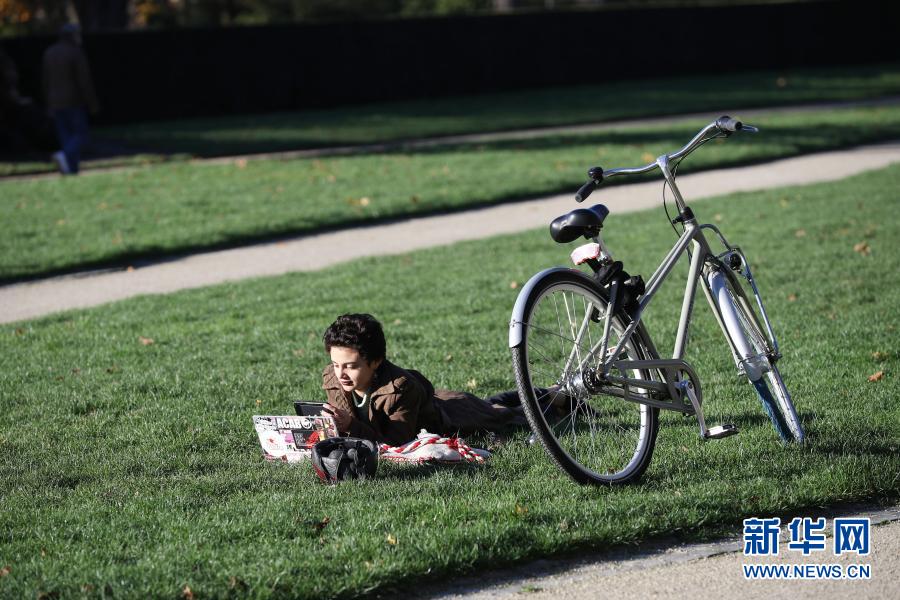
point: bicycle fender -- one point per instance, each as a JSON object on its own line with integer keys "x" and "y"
{"x": 740, "y": 346}
{"x": 516, "y": 327}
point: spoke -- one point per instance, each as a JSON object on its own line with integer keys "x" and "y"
{"x": 585, "y": 321}
{"x": 601, "y": 433}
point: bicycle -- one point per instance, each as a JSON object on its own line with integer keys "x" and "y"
{"x": 590, "y": 379}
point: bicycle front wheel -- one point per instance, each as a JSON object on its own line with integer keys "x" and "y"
{"x": 756, "y": 357}
{"x": 594, "y": 438}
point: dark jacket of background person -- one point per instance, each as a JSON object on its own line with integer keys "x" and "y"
{"x": 67, "y": 78}
{"x": 403, "y": 402}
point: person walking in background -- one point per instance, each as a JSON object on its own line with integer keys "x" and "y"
{"x": 69, "y": 92}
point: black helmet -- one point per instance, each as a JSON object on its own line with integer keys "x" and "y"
{"x": 341, "y": 458}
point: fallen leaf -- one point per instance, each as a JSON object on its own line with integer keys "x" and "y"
{"x": 187, "y": 593}
{"x": 391, "y": 539}
{"x": 414, "y": 199}
{"x": 880, "y": 355}
{"x": 359, "y": 202}
{"x": 236, "y": 583}
{"x": 800, "y": 233}
{"x": 792, "y": 297}
{"x": 20, "y": 331}
{"x": 863, "y": 248}
{"x": 258, "y": 402}
{"x": 471, "y": 384}
{"x": 322, "y": 524}
{"x": 717, "y": 218}
{"x": 145, "y": 340}
{"x": 521, "y": 510}
{"x": 876, "y": 376}
{"x": 448, "y": 358}
{"x": 398, "y": 321}
{"x": 5, "y": 571}
{"x": 513, "y": 285}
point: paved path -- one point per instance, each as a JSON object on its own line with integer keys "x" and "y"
{"x": 313, "y": 252}
{"x": 709, "y": 570}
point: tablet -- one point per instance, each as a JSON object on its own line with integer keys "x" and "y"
{"x": 308, "y": 409}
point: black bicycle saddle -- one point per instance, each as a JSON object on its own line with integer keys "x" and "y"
{"x": 585, "y": 222}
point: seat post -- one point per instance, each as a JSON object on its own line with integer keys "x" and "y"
{"x": 605, "y": 257}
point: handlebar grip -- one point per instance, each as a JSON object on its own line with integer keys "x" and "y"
{"x": 596, "y": 178}
{"x": 585, "y": 191}
{"x": 728, "y": 125}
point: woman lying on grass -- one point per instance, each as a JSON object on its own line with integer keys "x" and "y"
{"x": 372, "y": 398}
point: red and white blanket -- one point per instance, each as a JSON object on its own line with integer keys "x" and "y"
{"x": 430, "y": 447}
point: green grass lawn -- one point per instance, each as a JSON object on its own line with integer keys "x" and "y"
{"x": 391, "y": 122}
{"x": 131, "y": 469}
{"x": 61, "y": 224}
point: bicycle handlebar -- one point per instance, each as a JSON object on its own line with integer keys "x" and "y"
{"x": 585, "y": 190}
{"x": 724, "y": 125}
{"x": 728, "y": 125}
{"x": 595, "y": 178}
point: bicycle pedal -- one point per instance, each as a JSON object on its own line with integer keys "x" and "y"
{"x": 721, "y": 431}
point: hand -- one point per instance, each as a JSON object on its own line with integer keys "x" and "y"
{"x": 342, "y": 417}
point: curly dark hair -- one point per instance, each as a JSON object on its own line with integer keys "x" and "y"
{"x": 362, "y": 332}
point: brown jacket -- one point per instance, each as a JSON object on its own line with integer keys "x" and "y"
{"x": 405, "y": 402}
{"x": 400, "y": 405}
{"x": 67, "y": 78}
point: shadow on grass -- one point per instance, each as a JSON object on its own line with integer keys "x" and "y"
{"x": 537, "y": 109}
{"x": 489, "y": 572}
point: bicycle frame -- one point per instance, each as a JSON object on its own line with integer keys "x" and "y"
{"x": 704, "y": 265}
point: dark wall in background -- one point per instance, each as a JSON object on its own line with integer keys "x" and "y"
{"x": 151, "y": 75}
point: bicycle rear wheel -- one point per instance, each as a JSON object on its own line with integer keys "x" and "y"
{"x": 757, "y": 359}
{"x": 594, "y": 438}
